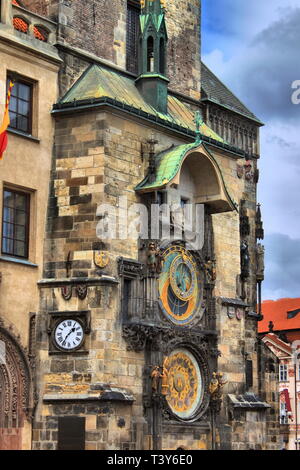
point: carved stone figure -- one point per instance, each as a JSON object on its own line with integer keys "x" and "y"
{"x": 164, "y": 383}
{"x": 210, "y": 271}
{"x": 155, "y": 379}
{"x": 214, "y": 384}
{"x": 248, "y": 170}
{"x": 154, "y": 258}
{"x": 245, "y": 260}
{"x": 260, "y": 258}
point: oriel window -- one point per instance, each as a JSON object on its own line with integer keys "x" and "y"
{"x": 20, "y": 106}
{"x": 15, "y": 223}
{"x": 133, "y": 16}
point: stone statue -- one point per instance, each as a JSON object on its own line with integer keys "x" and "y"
{"x": 155, "y": 378}
{"x": 260, "y": 259}
{"x": 154, "y": 258}
{"x": 245, "y": 260}
{"x": 164, "y": 383}
{"x": 210, "y": 271}
{"x": 214, "y": 384}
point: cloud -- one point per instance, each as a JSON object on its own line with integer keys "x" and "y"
{"x": 253, "y": 47}
{"x": 261, "y": 71}
{"x": 282, "y": 267}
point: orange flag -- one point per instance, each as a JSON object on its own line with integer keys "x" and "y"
{"x": 5, "y": 123}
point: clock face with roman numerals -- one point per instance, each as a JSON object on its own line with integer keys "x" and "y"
{"x": 68, "y": 335}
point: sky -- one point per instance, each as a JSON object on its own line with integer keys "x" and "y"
{"x": 254, "y": 48}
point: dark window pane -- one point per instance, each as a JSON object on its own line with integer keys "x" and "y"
{"x": 20, "y": 249}
{"x": 133, "y": 18}
{"x": 8, "y": 230}
{"x": 14, "y": 91}
{"x": 13, "y": 120}
{"x": 20, "y": 218}
{"x": 15, "y": 224}
{"x": 24, "y": 92}
{"x": 23, "y": 108}
{"x": 7, "y": 246}
{"x": 20, "y": 233}
{"x": 8, "y": 214}
{"x": 20, "y": 106}
{"x": 9, "y": 199}
{"x": 21, "y": 201}
{"x": 13, "y": 104}
{"x": 23, "y": 123}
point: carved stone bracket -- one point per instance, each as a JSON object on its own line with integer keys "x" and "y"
{"x": 129, "y": 267}
{"x": 161, "y": 339}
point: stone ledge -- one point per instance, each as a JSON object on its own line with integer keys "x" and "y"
{"x": 90, "y": 281}
{"x": 108, "y": 394}
{"x": 234, "y": 302}
{"x": 248, "y": 401}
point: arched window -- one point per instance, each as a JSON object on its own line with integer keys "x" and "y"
{"x": 40, "y": 33}
{"x": 162, "y": 56}
{"x": 150, "y": 54}
{"x": 20, "y": 24}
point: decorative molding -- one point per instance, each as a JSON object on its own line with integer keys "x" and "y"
{"x": 130, "y": 268}
{"x": 138, "y": 335}
{"x": 81, "y": 291}
{"x": 90, "y": 281}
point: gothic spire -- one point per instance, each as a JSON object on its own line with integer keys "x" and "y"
{"x": 152, "y": 81}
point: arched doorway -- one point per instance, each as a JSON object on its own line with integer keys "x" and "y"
{"x": 15, "y": 391}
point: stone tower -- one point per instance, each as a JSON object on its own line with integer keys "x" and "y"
{"x": 100, "y": 28}
{"x": 132, "y": 331}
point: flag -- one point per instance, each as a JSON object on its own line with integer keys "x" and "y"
{"x": 5, "y": 123}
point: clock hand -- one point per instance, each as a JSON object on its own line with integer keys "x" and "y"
{"x": 71, "y": 331}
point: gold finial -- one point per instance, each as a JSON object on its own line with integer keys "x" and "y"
{"x": 162, "y": 2}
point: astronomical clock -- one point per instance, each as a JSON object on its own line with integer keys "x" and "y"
{"x": 175, "y": 331}
{"x": 180, "y": 287}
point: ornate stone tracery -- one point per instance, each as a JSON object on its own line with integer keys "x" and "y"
{"x": 16, "y": 387}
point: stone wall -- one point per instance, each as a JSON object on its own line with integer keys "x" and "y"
{"x": 99, "y": 28}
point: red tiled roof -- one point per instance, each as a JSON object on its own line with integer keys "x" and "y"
{"x": 277, "y": 312}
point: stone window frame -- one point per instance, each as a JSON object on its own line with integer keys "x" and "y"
{"x": 32, "y": 130}
{"x": 283, "y": 373}
{"x": 28, "y": 209}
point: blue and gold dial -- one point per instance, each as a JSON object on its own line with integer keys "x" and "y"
{"x": 180, "y": 287}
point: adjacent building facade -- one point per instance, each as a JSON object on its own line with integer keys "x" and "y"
{"x": 146, "y": 332}
{"x": 280, "y": 332}
{"x": 29, "y": 59}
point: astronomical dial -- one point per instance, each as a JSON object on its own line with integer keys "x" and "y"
{"x": 180, "y": 286}
{"x": 68, "y": 335}
{"x": 184, "y": 380}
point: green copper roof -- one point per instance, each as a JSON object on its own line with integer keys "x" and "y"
{"x": 100, "y": 81}
{"x": 167, "y": 166}
{"x": 157, "y": 21}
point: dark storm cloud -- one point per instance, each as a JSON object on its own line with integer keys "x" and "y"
{"x": 267, "y": 69}
{"x": 254, "y": 48}
{"x": 282, "y": 267}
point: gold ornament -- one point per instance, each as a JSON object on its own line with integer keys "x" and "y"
{"x": 101, "y": 259}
